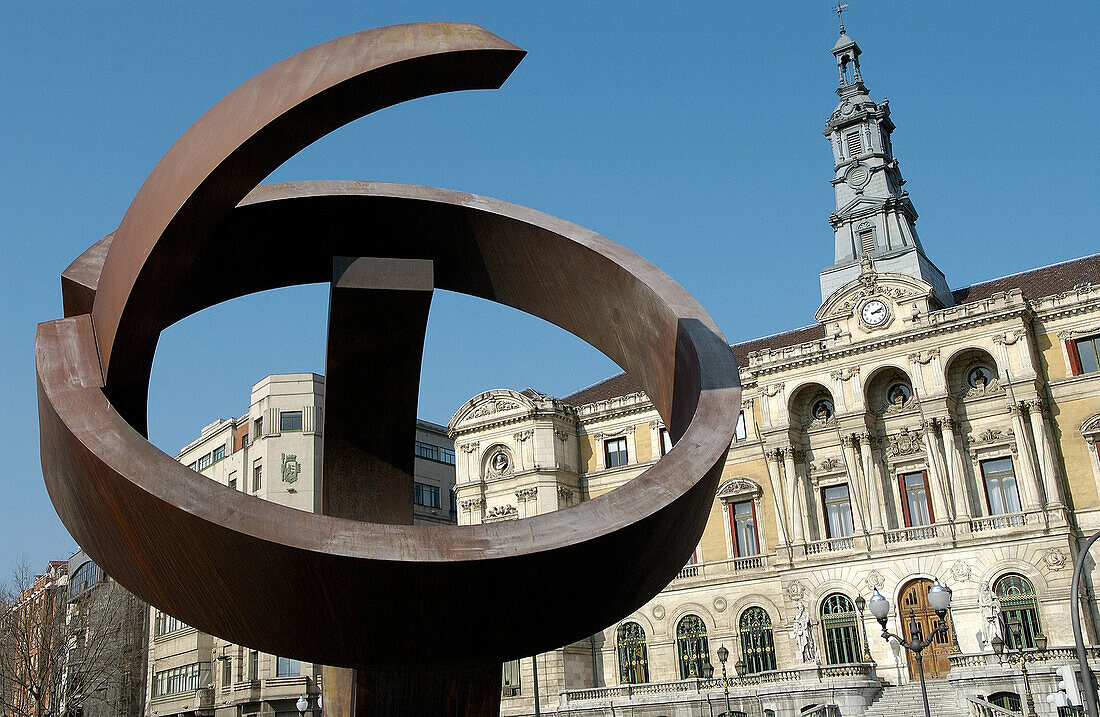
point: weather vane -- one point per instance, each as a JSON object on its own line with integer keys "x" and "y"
{"x": 840, "y": 13}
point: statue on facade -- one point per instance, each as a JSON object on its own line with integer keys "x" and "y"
{"x": 804, "y": 634}
{"x": 990, "y": 605}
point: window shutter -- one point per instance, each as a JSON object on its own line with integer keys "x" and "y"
{"x": 1074, "y": 357}
{"x": 867, "y": 241}
{"x": 855, "y": 144}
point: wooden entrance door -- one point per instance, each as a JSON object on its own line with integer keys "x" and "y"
{"x": 914, "y": 596}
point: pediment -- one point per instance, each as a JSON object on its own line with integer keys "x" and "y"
{"x": 892, "y": 288}
{"x": 740, "y": 487}
{"x": 859, "y": 205}
{"x": 1091, "y": 427}
{"x": 489, "y": 407}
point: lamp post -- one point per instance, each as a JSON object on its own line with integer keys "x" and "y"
{"x": 723, "y": 655}
{"x": 860, "y": 604}
{"x": 302, "y": 704}
{"x": 939, "y": 598}
{"x": 1016, "y": 630}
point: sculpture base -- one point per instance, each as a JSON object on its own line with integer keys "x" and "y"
{"x": 452, "y": 691}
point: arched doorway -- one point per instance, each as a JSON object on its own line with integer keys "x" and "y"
{"x": 914, "y": 596}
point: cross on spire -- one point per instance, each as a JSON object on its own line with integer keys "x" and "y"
{"x": 840, "y": 13}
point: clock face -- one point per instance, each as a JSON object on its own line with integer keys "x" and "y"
{"x": 874, "y": 312}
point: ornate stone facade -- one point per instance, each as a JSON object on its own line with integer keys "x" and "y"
{"x": 911, "y": 433}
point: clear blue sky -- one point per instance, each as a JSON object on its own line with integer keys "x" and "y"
{"x": 689, "y": 132}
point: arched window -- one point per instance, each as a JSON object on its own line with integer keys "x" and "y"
{"x": 757, "y": 646}
{"x": 86, "y": 576}
{"x": 633, "y": 658}
{"x": 1018, "y": 605}
{"x": 691, "y": 646}
{"x": 838, "y": 628}
{"x": 1007, "y": 700}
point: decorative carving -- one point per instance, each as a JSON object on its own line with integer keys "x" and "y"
{"x": 291, "y": 467}
{"x": 826, "y": 464}
{"x": 658, "y": 612}
{"x": 492, "y": 407}
{"x": 1008, "y": 338}
{"x": 990, "y": 436}
{"x": 523, "y": 435}
{"x": 845, "y": 374}
{"x": 527, "y": 494}
{"x": 561, "y": 435}
{"x": 499, "y": 464}
{"x": 773, "y": 390}
{"x": 898, "y": 405}
{"x": 904, "y": 443}
{"x": 1056, "y": 559}
{"x": 796, "y": 591}
{"x": 472, "y": 504}
{"x": 719, "y": 604}
{"x": 739, "y": 487}
{"x": 875, "y": 580}
{"x": 960, "y": 572}
{"x": 502, "y": 512}
{"x": 924, "y": 357}
{"x": 470, "y": 447}
{"x": 804, "y": 634}
{"x": 565, "y": 494}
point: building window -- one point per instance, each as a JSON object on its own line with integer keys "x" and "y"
{"x": 427, "y": 450}
{"x": 453, "y": 501}
{"x": 426, "y": 495}
{"x": 290, "y": 421}
{"x": 86, "y": 576}
{"x": 227, "y": 671}
{"x": 446, "y": 455}
{"x": 757, "y": 645}
{"x": 509, "y": 681}
{"x": 633, "y": 657}
{"x": 742, "y": 517}
{"x": 614, "y": 451}
{"x": 666, "y": 440}
{"x": 1006, "y": 700}
{"x": 257, "y": 477}
{"x": 914, "y": 499}
{"x": 855, "y": 144}
{"x": 178, "y": 680}
{"x": 1001, "y": 495}
{"x": 866, "y": 241}
{"x": 165, "y": 624}
{"x": 838, "y": 511}
{"x": 233, "y": 480}
{"x": 838, "y": 627}
{"x": 205, "y": 461}
{"x": 286, "y": 667}
{"x": 739, "y": 433}
{"x": 1084, "y": 355}
{"x": 1018, "y": 606}
{"x": 258, "y": 427}
{"x": 254, "y": 665}
{"x": 691, "y": 646}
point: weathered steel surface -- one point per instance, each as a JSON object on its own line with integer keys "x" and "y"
{"x": 429, "y": 611}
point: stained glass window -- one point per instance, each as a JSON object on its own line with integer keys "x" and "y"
{"x": 633, "y": 657}
{"x": 757, "y": 645}
{"x": 691, "y": 646}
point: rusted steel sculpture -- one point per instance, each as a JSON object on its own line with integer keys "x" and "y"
{"x": 242, "y": 568}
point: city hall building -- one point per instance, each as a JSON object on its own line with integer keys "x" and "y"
{"x": 912, "y": 432}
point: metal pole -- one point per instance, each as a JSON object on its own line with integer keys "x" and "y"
{"x": 923, "y": 689}
{"x": 1088, "y": 693}
{"x": 1027, "y": 686}
{"x": 726, "y": 686}
{"x": 535, "y": 674}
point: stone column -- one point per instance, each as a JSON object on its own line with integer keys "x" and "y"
{"x": 876, "y": 508}
{"x": 793, "y": 489}
{"x": 935, "y": 480}
{"x": 955, "y": 472}
{"x": 773, "y": 459}
{"x": 1044, "y": 444}
{"x": 855, "y": 492}
{"x": 1029, "y": 481}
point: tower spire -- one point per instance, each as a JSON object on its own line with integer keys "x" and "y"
{"x": 874, "y": 217}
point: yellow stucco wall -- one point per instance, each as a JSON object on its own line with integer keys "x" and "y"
{"x": 588, "y": 453}
{"x": 643, "y": 443}
{"x": 1050, "y": 356}
{"x": 1067, "y": 417}
{"x": 713, "y": 543}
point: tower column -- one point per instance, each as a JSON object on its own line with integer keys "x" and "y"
{"x": 1029, "y": 485}
{"x": 774, "y": 458}
{"x": 794, "y": 490}
{"x": 935, "y": 480}
{"x": 855, "y": 491}
{"x": 876, "y": 507}
{"x": 1040, "y": 428}
{"x": 955, "y": 473}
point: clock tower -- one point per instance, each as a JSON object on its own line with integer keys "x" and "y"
{"x": 874, "y": 217}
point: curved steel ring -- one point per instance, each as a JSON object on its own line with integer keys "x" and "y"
{"x": 235, "y": 566}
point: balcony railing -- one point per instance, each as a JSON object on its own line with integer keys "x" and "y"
{"x": 998, "y": 522}
{"x": 905, "y": 535}
{"x": 831, "y": 545}
{"x": 747, "y": 683}
{"x": 720, "y": 568}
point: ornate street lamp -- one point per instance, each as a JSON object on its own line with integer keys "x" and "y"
{"x": 860, "y": 604}
{"x": 1016, "y": 630}
{"x": 939, "y": 598}
{"x": 723, "y": 655}
{"x": 302, "y": 704}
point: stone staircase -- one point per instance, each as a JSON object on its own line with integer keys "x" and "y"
{"x": 905, "y": 701}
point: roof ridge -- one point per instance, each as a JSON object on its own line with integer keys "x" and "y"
{"x": 1028, "y": 271}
